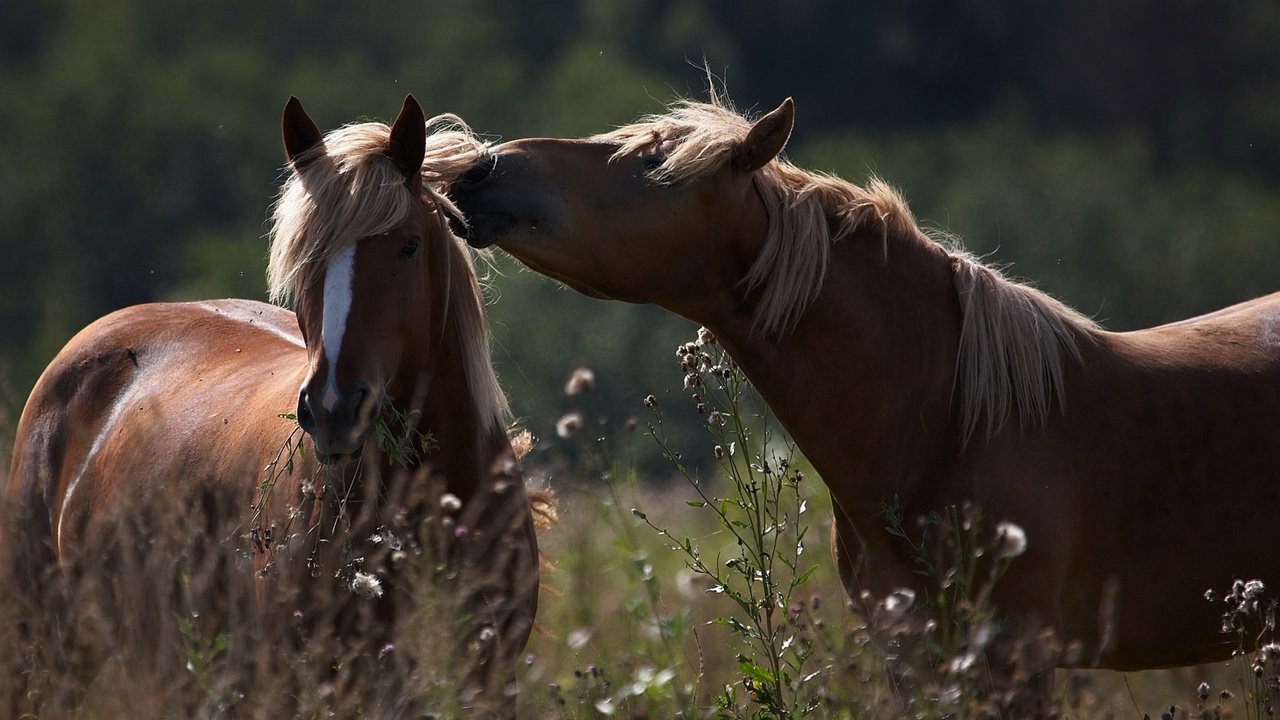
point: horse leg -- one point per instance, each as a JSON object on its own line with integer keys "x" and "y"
{"x": 500, "y": 576}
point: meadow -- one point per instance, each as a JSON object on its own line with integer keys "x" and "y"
{"x": 708, "y": 592}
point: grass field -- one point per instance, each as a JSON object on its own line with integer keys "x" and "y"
{"x": 661, "y": 598}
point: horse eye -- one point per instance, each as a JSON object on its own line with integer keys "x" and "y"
{"x": 410, "y": 248}
{"x": 656, "y": 155}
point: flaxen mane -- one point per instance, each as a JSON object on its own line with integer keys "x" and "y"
{"x": 348, "y": 188}
{"x": 1014, "y": 339}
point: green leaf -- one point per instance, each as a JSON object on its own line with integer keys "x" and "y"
{"x": 757, "y": 673}
{"x": 804, "y": 577}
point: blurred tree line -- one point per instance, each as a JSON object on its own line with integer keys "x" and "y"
{"x": 1123, "y": 153}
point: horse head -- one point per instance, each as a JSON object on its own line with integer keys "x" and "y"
{"x": 639, "y": 214}
{"x": 368, "y": 241}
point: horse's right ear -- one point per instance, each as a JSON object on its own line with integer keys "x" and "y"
{"x": 765, "y": 139}
{"x": 299, "y": 131}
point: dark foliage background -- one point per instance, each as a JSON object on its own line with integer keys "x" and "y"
{"x": 1124, "y": 154}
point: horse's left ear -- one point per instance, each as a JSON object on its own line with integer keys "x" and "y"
{"x": 409, "y": 139}
{"x": 299, "y": 132}
{"x": 766, "y": 138}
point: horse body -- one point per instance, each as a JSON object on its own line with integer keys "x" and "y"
{"x": 1140, "y": 464}
{"x": 1135, "y": 498}
{"x": 126, "y": 407}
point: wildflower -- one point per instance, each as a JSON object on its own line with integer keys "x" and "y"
{"x": 961, "y": 663}
{"x": 386, "y": 650}
{"x": 718, "y": 452}
{"x": 450, "y": 503}
{"x": 1012, "y": 540}
{"x": 899, "y": 601}
{"x": 582, "y": 380}
{"x": 487, "y": 634}
{"x": 691, "y": 380}
{"x": 1253, "y": 589}
{"x": 569, "y": 424}
{"x": 1210, "y": 595}
{"x": 522, "y": 442}
{"x": 1270, "y": 652}
{"x": 366, "y": 585}
{"x": 578, "y": 638}
{"x": 650, "y": 401}
{"x": 705, "y": 337}
{"x": 1203, "y": 691}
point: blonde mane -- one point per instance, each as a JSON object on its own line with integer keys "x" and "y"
{"x": 349, "y": 188}
{"x": 1013, "y": 338}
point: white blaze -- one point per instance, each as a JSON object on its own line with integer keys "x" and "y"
{"x": 337, "y": 306}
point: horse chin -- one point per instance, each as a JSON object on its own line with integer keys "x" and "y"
{"x": 342, "y": 454}
{"x": 337, "y": 459}
{"x": 484, "y": 230}
{"x": 569, "y": 282}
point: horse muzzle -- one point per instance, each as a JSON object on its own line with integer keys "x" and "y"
{"x": 339, "y": 429}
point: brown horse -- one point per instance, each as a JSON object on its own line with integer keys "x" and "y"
{"x": 186, "y": 401}
{"x": 1142, "y": 465}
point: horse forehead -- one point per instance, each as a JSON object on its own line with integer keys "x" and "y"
{"x": 339, "y": 275}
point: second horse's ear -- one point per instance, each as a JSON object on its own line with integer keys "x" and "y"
{"x": 408, "y": 144}
{"x": 766, "y": 138}
{"x": 299, "y": 132}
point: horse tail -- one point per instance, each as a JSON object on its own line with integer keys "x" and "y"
{"x": 27, "y": 559}
{"x": 64, "y": 413}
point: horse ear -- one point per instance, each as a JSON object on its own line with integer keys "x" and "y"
{"x": 766, "y": 138}
{"x": 299, "y": 131}
{"x": 409, "y": 139}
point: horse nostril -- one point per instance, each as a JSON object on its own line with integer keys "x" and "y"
{"x": 365, "y": 404}
{"x": 357, "y": 401}
{"x": 305, "y": 419}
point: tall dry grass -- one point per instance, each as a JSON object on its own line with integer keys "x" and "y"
{"x": 167, "y": 620}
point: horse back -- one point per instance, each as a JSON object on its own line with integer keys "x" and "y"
{"x": 131, "y": 396}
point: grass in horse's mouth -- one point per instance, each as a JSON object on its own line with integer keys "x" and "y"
{"x": 336, "y": 458}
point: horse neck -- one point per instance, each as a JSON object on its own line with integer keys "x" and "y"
{"x": 863, "y": 382}
{"x": 470, "y": 447}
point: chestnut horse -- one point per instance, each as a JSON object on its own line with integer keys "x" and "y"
{"x": 1141, "y": 465}
{"x": 186, "y": 400}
